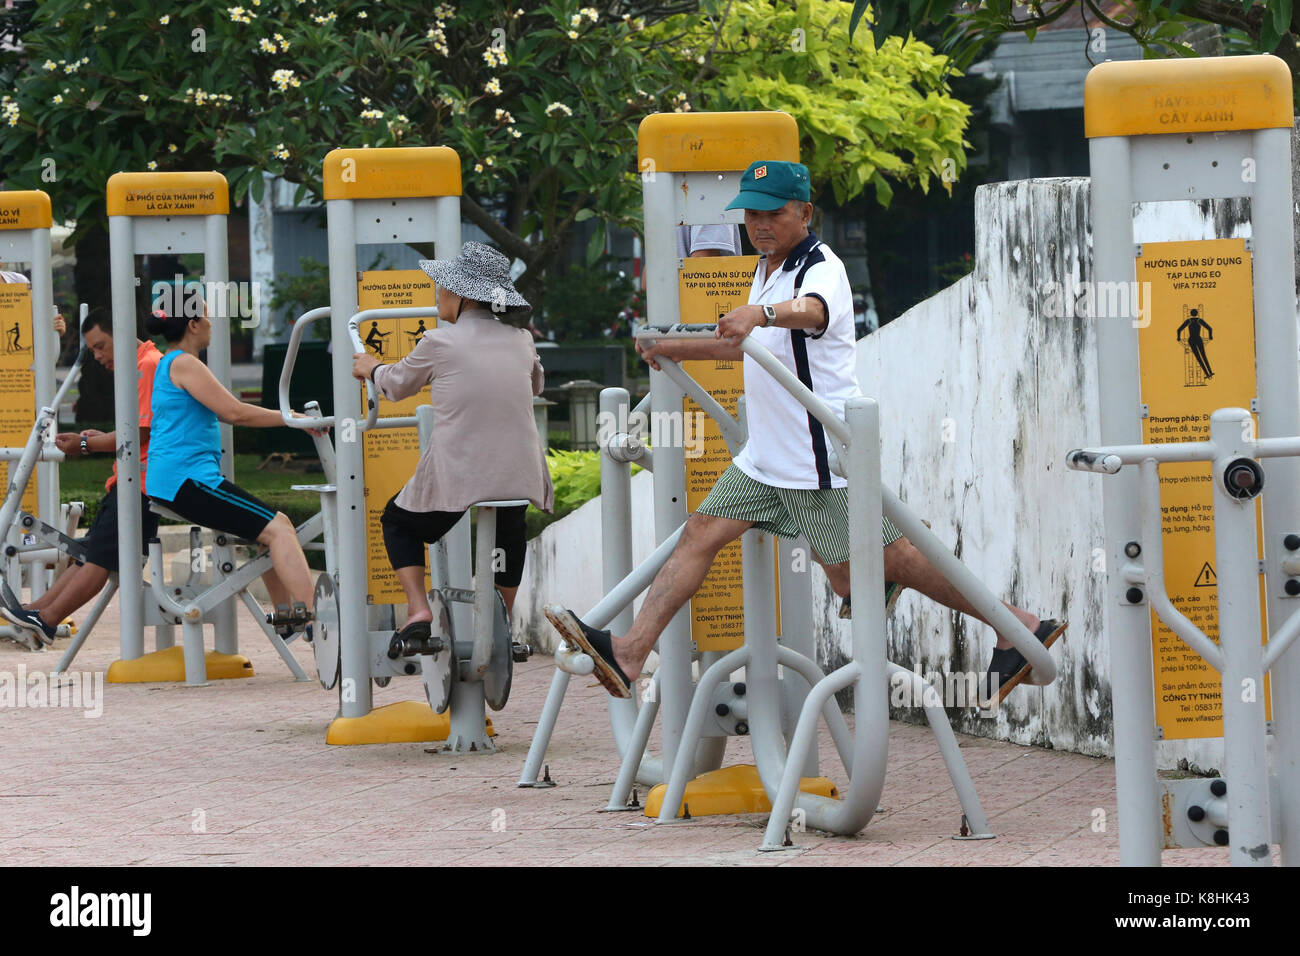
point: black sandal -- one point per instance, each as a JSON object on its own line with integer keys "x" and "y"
{"x": 412, "y": 640}
{"x": 596, "y": 644}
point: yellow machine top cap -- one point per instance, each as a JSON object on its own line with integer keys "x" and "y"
{"x": 1197, "y": 94}
{"x": 708, "y": 142}
{"x": 168, "y": 194}
{"x": 401, "y": 172}
{"x": 25, "y": 209}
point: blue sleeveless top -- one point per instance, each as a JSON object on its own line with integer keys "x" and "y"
{"x": 184, "y": 440}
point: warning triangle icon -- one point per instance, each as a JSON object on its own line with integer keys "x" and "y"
{"x": 1206, "y": 578}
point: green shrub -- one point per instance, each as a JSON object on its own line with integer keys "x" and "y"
{"x": 576, "y": 477}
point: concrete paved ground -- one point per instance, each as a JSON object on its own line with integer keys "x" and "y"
{"x": 238, "y": 773}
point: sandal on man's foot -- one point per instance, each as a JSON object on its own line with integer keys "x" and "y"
{"x": 596, "y": 644}
{"x": 1009, "y": 667}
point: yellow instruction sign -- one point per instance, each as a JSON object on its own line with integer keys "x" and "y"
{"x": 1196, "y": 355}
{"x": 17, "y": 379}
{"x": 710, "y": 287}
{"x": 390, "y": 454}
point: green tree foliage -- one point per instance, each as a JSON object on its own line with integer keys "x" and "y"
{"x": 869, "y": 112}
{"x": 1159, "y": 26}
{"x": 541, "y": 100}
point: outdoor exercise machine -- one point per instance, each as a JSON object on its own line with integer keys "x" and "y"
{"x": 1205, "y": 129}
{"x": 691, "y": 168}
{"x": 395, "y": 195}
{"x": 31, "y": 544}
{"x": 28, "y": 357}
{"x": 176, "y": 214}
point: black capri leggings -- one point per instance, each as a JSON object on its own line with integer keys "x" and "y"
{"x": 408, "y": 533}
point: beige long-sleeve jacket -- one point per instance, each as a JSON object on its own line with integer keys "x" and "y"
{"x": 485, "y": 445}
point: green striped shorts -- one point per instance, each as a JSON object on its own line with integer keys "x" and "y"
{"x": 820, "y": 514}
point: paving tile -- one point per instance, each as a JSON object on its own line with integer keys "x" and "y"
{"x": 248, "y": 760}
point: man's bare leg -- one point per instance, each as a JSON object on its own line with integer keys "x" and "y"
{"x": 61, "y": 583}
{"x": 702, "y": 538}
{"x": 907, "y": 566}
{"x": 88, "y": 582}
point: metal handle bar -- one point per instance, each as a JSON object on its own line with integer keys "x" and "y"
{"x": 286, "y": 373}
{"x": 1110, "y": 460}
{"x": 769, "y": 362}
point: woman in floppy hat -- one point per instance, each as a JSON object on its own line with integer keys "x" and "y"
{"x": 484, "y": 372}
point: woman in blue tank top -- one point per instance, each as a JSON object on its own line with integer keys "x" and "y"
{"x": 185, "y": 461}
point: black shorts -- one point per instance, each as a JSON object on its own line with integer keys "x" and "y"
{"x": 407, "y": 533}
{"x": 226, "y": 507}
{"x": 100, "y": 541}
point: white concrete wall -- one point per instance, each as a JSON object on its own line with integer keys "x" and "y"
{"x": 1014, "y": 375}
{"x": 983, "y": 389}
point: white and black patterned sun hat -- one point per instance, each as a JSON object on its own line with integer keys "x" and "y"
{"x": 480, "y": 273}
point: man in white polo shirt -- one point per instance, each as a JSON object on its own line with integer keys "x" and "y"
{"x": 801, "y": 309}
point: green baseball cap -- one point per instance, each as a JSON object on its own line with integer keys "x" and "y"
{"x": 770, "y": 184}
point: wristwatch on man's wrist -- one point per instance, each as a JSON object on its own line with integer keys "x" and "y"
{"x": 85, "y": 446}
{"x": 769, "y": 316}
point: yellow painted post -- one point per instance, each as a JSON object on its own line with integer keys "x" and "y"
{"x": 1195, "y": 129}
{"x": 374, "y": 196}
{"x": 29, "y": 350}
{"x": 690, "y": 165}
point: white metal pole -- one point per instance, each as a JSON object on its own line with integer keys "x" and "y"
{"x": 484, "y": 594}
{"x": 675, "y": 684}
{"x": 762, "y": 685}
{"x": 45, "y": 353}
{"x": 616, "y": 564}
{"x": 545, "y": 727}
{"x": 354, "y": 686}
{"x": 1273, "y": 230}
{"x": 1128, "y": 625}
{"x": 216, "y": 272}
{"x": 663, "y": 308}
{"x": 216, "y": 269}
{"x": 121, "y": 254}
{"x": 797, "y": 634}
{"x": 867, "y": 671}
{"x": 1244, "y": 735}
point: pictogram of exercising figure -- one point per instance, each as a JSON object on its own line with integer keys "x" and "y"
{"x": 1193, "y": 324}
{"x": 375, "y": 340}
{"x": 417, "y": 334}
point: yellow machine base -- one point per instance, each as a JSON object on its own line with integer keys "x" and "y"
{"x": 731, "y": 790}
{"x": 168, "y": 665}
{"x": 405, "y": 722}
